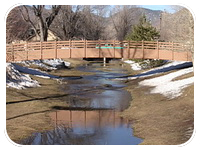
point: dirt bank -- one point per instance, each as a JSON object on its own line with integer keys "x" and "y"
{"x": 157, "y": 119}
{"x": 26, "y": 110}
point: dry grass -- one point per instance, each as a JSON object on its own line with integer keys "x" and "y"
{"x": 157, "y": 119}
{"x": 29, "y": 114}
{"x": 27, "y": 110}
{"x": 70, "y": 73}
{"x": 188, "y": 75}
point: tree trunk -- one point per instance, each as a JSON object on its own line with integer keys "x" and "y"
{"x": 45, "y": 34}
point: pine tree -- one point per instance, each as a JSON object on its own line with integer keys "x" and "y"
{"x": 143, "y": 31}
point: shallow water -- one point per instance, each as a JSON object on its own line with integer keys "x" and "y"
{"x": 94, "y": 119}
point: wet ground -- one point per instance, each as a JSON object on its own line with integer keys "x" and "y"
{"x": 93, "y": 119}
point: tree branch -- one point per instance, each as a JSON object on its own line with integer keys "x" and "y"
{"x": 27, "y": 18}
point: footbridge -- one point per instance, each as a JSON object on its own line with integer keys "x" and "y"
{"x": 98, "y": 49}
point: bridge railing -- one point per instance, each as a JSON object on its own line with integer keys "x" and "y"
{"x": 97, "y": 49}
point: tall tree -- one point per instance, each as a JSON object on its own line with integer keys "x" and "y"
{"x": 93, "y": 22}
{"x": 143, "y": 31}
{"x": 178, "y": 26}
{"x": 43, "y": 22}
{"x": 16, "y": 27}
{"x": 67, "y": 23}
{"x": 122, "y": 20}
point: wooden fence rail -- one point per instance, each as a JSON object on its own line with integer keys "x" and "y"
{"x": 98, "y": 49}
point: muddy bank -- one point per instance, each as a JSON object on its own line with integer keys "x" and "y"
{"x": 158, "y": 120}
{"x": 27, "y": 109}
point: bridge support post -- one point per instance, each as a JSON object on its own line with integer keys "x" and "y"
{"x": 104, "y": 61}
{"x": 26, "y": 49}
{"x": 13, "y": 53}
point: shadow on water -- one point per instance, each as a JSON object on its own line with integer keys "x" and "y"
{"x": 93, "y": 118}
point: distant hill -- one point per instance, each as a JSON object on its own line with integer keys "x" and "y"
{"x": 134, "y": 13}
{"x": 152, "y": 15}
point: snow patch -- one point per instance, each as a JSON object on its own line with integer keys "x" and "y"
{"x": 165, "y": 68}
{"x": 134, "y": 65}
{"x": 173, "y": 89}
{"x": 35, "y": 72}
{"x": 50, "y": 64}
{"x": 56, "y": 62}
{"x": 164, "y": 84}
{"x": 17, "y": 80}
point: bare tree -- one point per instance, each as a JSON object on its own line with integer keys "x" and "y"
{"x": 122, "y": 20}
{"x": 16, "y": 27}
{"x": 80, "y": 22}
{"x": 178, "y": 26}
{"x": 67, "y": 23}
{"x": 43, "y": 22}
{"x": 93, "y": 22}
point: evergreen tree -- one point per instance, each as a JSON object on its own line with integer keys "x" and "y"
{"x": 143, "y": 31}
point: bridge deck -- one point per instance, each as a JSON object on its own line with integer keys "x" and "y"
{"x": 98, "y": 49}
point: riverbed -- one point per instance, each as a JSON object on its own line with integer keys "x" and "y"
{"x": 93, "y": 118}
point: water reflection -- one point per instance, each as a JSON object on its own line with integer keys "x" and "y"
{"x": 93, "y": 116}
{"x": 87, "y": 127}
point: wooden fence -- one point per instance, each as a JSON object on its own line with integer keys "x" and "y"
{"x": 98, "y": 49}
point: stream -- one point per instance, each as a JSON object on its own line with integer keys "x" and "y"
{"x": 93, "y": 119}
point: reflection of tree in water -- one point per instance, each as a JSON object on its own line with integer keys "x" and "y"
{"x": 65, "y": 135}
{"x": 92, "y": 130}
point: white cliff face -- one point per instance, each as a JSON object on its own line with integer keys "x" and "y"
{"x": 17, "y": 80}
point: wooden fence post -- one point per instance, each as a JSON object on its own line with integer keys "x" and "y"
{"x": 70, "y": 50}
{"x": 99, "y": 49}
{"x": 13, "y": 53}
{"x": 143, "y": 48}
{"x": 172, "y": 50}
{"x": 85, "y": 47}
{"x": 129, "y": 52}
{"x": 56, "y": 53}
{"x": 158, "y": 49}
{"x": 26, "y": 50}
{"x": 114, "y": 47}
{"x": 41, "y": 50}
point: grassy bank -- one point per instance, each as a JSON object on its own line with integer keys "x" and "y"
{"x": 157, "y": 119}
{"x": 28, "y": 112}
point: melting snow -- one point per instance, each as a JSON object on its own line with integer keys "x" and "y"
{"x": 165, "y": 68}
{"x": 50, "y": 64}
{"x": 134, "y": 65}
{"x": 56, "y": 62}
{"x": 17, "y": 80}
{"x": 35, "y": 72}
{"x": 164, "y": 84}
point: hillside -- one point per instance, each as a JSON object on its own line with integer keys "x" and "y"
{"x": 133, "y": 15}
